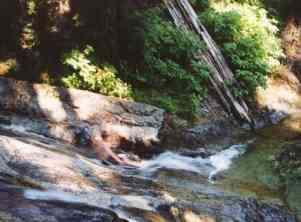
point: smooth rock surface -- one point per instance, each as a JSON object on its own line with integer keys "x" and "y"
{"x": 57, "y": 182}
{"x": 70, "y": 113}
{"x": 14, "y": 207}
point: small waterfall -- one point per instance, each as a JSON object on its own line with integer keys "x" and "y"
{"x": 207, "y": 167}
{"x": 186, "y": 18}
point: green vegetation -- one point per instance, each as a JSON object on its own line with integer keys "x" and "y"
{"x": 169, "y": 65}
{"x": 249, "y": 41}
{"x": 85, "y": 73}
{"x": 123, "y": 49}
{"x": 200, "y": 4}
{"x": 140, "y": 54}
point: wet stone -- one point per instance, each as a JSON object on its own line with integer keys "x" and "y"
{"x": 14, "y": 208}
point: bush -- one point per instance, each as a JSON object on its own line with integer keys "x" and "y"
{"x": 169, "y": 61}
{"x": 276, "y": 8}
{"x": 200, "y": 4}
{"x": 182, "y": 104}
{"x": 249, "y": 41}
{"x": 85, "y": 73}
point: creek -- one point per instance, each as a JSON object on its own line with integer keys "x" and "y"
{"x": 44, "y": 179}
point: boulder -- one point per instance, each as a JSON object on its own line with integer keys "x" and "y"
{"x": 69, "y": 114}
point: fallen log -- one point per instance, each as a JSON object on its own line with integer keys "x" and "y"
{"x": 185, "y": 18}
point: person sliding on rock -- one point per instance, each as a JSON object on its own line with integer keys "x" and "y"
{"x": 102, "y": 146}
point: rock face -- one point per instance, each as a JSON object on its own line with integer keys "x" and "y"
{"x": 17, "y": 208}
{"x": 282, "y": 93}
{"x": 42, "y": 179}
{"x": 69, "y": 114}
{"x": 203, "y": 134}
{"x": 45, "y": 176}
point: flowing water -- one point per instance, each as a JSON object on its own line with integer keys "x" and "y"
{"x": 238, "y": 183}
{"x": 44, "y": 179}
{"x": 204, "y": 166}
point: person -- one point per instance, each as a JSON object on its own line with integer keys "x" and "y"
{"x": 102, "y": 145}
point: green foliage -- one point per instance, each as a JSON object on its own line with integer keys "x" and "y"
{"x": 277, "y": 8}
{"x": 28, "y": 38}
{"x": 249, "y": 41}
{"x": 154, "y": 97}
{"x": 249, "y": 2}
{"x": 169, "y": 62}
{"x": 170, "y": 101}
{"x": 31, "y": 7}
{"x": 250, "y": 69}
{"x": 85, "y": 73}
{"x": 200, "y": 4}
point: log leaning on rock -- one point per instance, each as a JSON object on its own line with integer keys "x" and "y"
{"x": 186, "y": 18}
{"x": 68, "y": 114}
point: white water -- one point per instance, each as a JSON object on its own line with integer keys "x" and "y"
{"x": 107, "y": 202}
{"x": 223, "y": 160}
{"x": 169, "y": 160}
{"x": 16, "y": 128}
{"x": 204, "y": 166}
{"x": 51, "y": 195}
{"x": 21, "y": 129}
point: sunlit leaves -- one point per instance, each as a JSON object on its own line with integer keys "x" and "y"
{"x": 85, "y": 73}
{"x": 249, "y": 41}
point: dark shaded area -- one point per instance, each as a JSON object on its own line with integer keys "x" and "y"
{"x": 9, "y": 19}
{"x": 38, "y": 33}
{"x": 294, "y": 8}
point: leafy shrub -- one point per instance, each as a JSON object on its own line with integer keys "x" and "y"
{"x": 169, "y": 61}
{"x": 249, "y": 41}
{"x": 200, "y": 4}
{"x": 85, "y": 73}
{"x": 276, "y": 8}
{"x": 161, "y": 99}
{"x": 182, "y": 104}
{"x": 28, "y": 38}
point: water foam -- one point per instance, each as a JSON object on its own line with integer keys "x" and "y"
{"x": 204, "y": 166}
{"x": 51, "y": 195}
{"x": 17, "y": 128}
{"x": 57, "y": 195}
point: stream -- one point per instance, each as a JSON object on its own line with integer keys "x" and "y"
{"x": 44, "y": 179}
